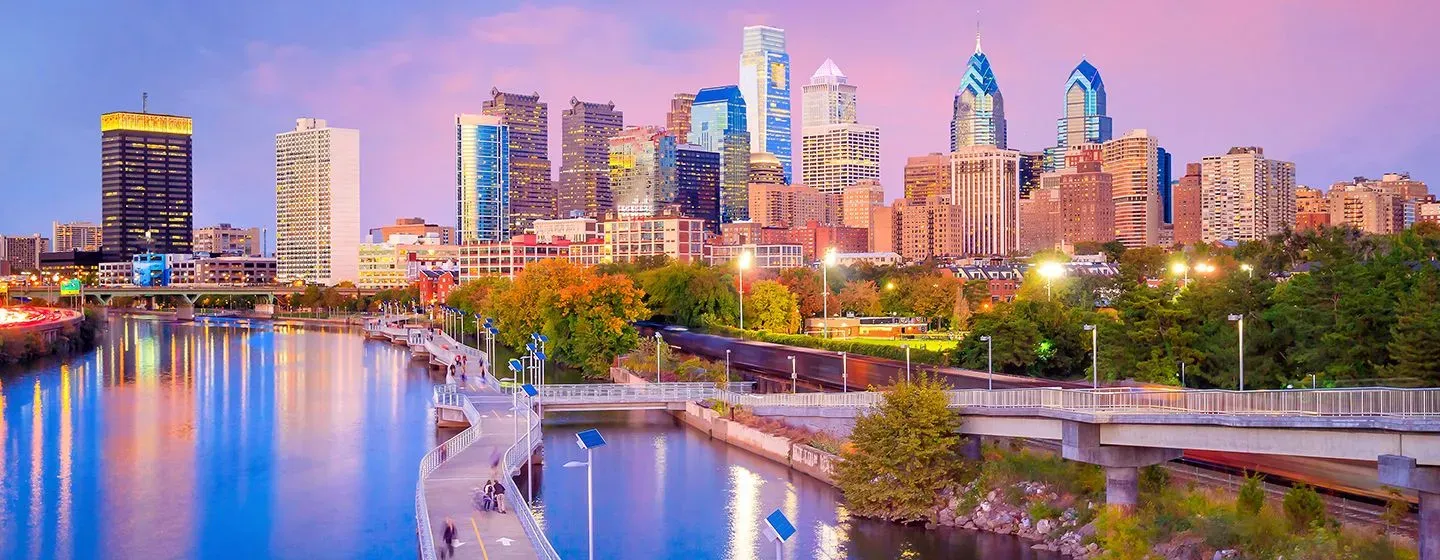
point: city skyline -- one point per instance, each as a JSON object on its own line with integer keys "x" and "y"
{"x": 240, "y": 87}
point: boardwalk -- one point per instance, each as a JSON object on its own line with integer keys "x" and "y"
{"x": 448, "y": 490}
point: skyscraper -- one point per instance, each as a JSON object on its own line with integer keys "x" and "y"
{"x": 1085, "y": 120}
{"x": 926, "y": 176}
{"x": 1245, "y": 196}
{"x": 79, "y": 236}
{"x": 858, "y": 203}
{"x": 697, "y": 184}
{"x": 836, "y": 152}
{"x": 317, "y": 203}
{"x": 717, "y": 124}
{"x": 1162, "y": 183}
{"x": 765, "y": 85}
{"x": 642, "y": 171}
{"x": 147, "y": 199}
{"x": 532, "y": 195}
{"x": 766, "y": 169}
{"x": 482, "y": 179}
{"x": 678, "y": 119}
{"x": 585, "y": 158}
{"x": 985, "y": 189}
{"x": 979, "y": 109}
{"x": 1130, "y": 161}
{"x": 1185, "y": 205}
{"x": 1032, "y": 166}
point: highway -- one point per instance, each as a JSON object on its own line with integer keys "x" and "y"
{"x": 820, "y": 370}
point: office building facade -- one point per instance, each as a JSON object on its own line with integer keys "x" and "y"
{"x": 76, "y": 236}
{"x": 317, "y": 203}
{"x": 586, "y": 129}
{"x": 717, "y": 124}
{"x": 482, "y": 179}
{"x": 416, "y": 227}
{"x": 1186, "y": 204}
{"x": 765, "y": 85}
{"x": 927, "y": 176}
{"x": 1085, "y": 119}
{"x": 677, "y": 120}
{"x": 985, "y": 190}
{"x": 146, "y": 184}
{"x": 1130, "y": 161}
{"x": 642, "y": 170}
{"x": 697, "y": 189}
{"x": 22, "y": 252}
{"x": 978, "y": 118}
{"x": 225, "y": 239}
{"x": 785, "y": 206}
{"x": 527, "y": 120}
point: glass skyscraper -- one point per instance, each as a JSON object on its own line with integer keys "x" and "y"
{"x": 697, "y": 178}
{"x": 482, "y": 178}
{"x": 642, "y": 171}
{"x": 1085, "y": 121}
{"x": 717, "y": 124}
{"x": 765, "y": 84}
{"x": 979, "y": 110}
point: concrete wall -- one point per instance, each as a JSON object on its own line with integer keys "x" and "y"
{"x": 800, "y": 457}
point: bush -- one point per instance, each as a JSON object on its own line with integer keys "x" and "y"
{"x": 1251, "y": 497}
{"x": 1120, "y": 536}
{"x": 1154, "y": 479}
{"x": 917, "y": 355}
{"x": 1304, "y": 508}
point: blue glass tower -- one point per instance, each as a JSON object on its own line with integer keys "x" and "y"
{"x": 1163, "y": 184}
{"x": 765, "y": 84}
{"x": 717, "y": 124}
{"x": 482, "y": 178}
{"x": 1085, "y": 121}
{"x": 979, "y": 117}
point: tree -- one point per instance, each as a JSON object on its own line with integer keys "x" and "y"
{"x": 861, "y": 297}
{"x": 771, "y": 307}
{"x": 1415, "y": 336}
{"x": 903, "y": 454}
{"x": 805, "y": 284}
{"x": 932, "y": 296}
{"x": 592, "y": 321}
{"x": 690, "y": 294}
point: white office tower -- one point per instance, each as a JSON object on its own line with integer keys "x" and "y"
{"x": 317, "y": 203}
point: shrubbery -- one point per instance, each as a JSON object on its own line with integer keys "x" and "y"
{"x": 917, "y": 355}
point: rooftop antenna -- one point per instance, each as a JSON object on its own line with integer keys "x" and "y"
{"x": 144, "y": 102}
{"x": 977, "y": 31}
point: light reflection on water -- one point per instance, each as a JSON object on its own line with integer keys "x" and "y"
{"x": 216, "y": 441}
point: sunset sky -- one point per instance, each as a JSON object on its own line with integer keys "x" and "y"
{"x": 1340, "y": 88}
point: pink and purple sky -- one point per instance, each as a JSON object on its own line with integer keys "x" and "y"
{"x": 1342, "y": 88}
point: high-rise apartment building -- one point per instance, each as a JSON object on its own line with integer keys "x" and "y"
{"x": 1245, "y": 196}
{"x": 77, "y": 236}
{"x": 786, "y": 206}
{"x": 927, "y": 176}
{"x": 416, "y": 227}
{"x": 1085, "y": 119}
{"x": 1130, "y": 161}
{"x": 1086, "y": 203}
{"x": 642, "y": 171}
{"x": 717, "y": 124}
{"x": 317, "y": 203}
{"x": 1366, "y": 207}
{"x": 697, "y": 188}
{"x": 1186, "y": 206}
{"x": 532, "y": 195}
{"x": 228, "y": 240}
{"x": 985, "y": 188}
{"x": 678, "y": 119}
{"x": 482, "y": 179}
{"x": 147, "y": 198}
{"x": 765, "y": 85}
{"x": 1403, "y": 186}
{"x": 22, "y": 252}
{"x": 859, "y": 201}
{"x": 1040, "y": 220}
{"x": 979, "y": 109}
{"x": 586, "y": 129}
{"x": 929, "y": 227}
{"x": 1312, "y": 209}
{"x": 882, "y": 229}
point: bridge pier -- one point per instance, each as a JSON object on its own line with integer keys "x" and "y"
{"x": 1080, "y": 442}
{"x": 1403, "y": 472}
{"x": 185, "y": 310}
{"x": 970, "y": 449}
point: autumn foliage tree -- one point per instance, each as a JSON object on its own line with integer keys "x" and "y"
{"x": 770, "y": 306}
{"x": 861, "y": 297}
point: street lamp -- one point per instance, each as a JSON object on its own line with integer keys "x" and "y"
{"x": 727, "y": 365}
{"x": 588, "y": 440}
{"x": 658, "y": 343}
{"x": 1094, "y": 355}
{"x": 742, "y": 263}
{"x": 1050, "y": 271}
{"x": 1240, "y": 323}
{"x": 825, "y": 265}
{"x": 1204, "y": 268}
{"x": 989, "y": 360}
{"x": 1182, "y": 374}
{"x": 1248, "y": 269}
{"x": 794, "y": 380}
{"x": 844, "y": 374}
{"x": 1183, "y": 271}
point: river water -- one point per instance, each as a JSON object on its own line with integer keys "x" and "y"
{"x": 266, "y": 441}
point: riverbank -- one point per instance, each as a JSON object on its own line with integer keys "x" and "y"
{"x": 74, "y": 332}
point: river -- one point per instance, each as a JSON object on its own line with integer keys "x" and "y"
{"x": 177, "y": 440}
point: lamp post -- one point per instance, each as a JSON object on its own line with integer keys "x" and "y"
{"x": 742, "y": 263}
{"x": 1183, "y": 270}
{"x": 825, "y": 265}
{"x": 1182, "y": 374}
{"x": 588, "y": 440}
{"x": 727, "y": 365}
{"x": 1250, "y": 270}
{"x": 844, "y": 374}
{"x": 989, "y": 361}
{"x": 794, "y": 380}
{"x": 1094, "y": 355}
{"x": 907, "y": 362}
{"x": 1240, "y": 323}
{"x": 658, "y": 343}
{"x": 1050, "y": 271}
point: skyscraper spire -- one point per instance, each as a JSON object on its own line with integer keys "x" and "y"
{"x": 977, "y": 31}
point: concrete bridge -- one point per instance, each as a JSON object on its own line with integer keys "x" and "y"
{"x": 188, "y": 294}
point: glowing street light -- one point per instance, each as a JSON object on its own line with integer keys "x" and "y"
{"x": 742, "y": 263}
{"x": 1182, "y": 270}
{"x": 1240, "y": 324}
{"x": 1050, "y": 271}
{"x": 1250, "y": 270}
{"x": 1204, "y": 268}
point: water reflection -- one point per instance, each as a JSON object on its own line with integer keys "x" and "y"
{"x": 216, "y": 441}
{"x": 665, "y": 491}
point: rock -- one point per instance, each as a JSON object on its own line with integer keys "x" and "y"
{"x": 962, "y": 520}
{"x": 1043, "y": 526}
{"x": 1087, "y": 531}
{"x": 1004, "y": 530}
{"x": 930, "y": 526}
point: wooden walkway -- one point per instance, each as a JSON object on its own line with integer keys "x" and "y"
{"x": 484, "y": 535}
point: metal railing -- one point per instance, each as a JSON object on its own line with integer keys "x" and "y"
{"x": 1368, "y": 402}
{"x": 432, "y": 460}
{"x": 516, "y": 457}
{"x": 648, "y": 392}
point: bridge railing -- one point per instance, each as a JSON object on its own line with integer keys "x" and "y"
{"x": 637, "y": 392}
{"x": 516, "y": 457}
{"x": 436, "y": 457}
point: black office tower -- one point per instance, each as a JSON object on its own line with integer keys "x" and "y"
{"x": 146, "y": 184}
{"x": 697, "y": 178}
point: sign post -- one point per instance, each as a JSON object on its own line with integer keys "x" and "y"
{"x": 779, "y": 529}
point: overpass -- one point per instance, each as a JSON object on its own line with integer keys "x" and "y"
{"x": 189, "y": 294}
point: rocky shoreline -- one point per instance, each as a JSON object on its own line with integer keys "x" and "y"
{"x": 1063, "y": 533}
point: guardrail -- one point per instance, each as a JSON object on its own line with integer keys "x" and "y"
{"x": 601, "y": 392}
{"x": 444, "y": 394}
{"x": 1367, "y": 402}
{"x": 515, "y": 457}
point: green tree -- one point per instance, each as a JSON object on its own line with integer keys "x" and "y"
{"x": 1415, "y": 337}
{"x": 805, "y": 284}
{"x": 770, "y": 306}
{"x": 1304, "y": 508}
{"x": 690, "y": 294}
{"x": 591, "y": 321}
{"x": 1251, "y": 498}
{"x": 903, "y": 454}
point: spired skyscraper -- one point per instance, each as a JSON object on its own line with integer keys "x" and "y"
{"x": 482, "y": 178}
{"x": 835, "y": 150}
{"x": 1085, "y": 121}
{"x": 765, "y": 84}
{"x": 979, "y": 118}
{"x": 717, "y": 124}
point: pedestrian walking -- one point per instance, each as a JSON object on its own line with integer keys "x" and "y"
{"x": 448, "y": 536}
{"x": 500, "y": 498}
